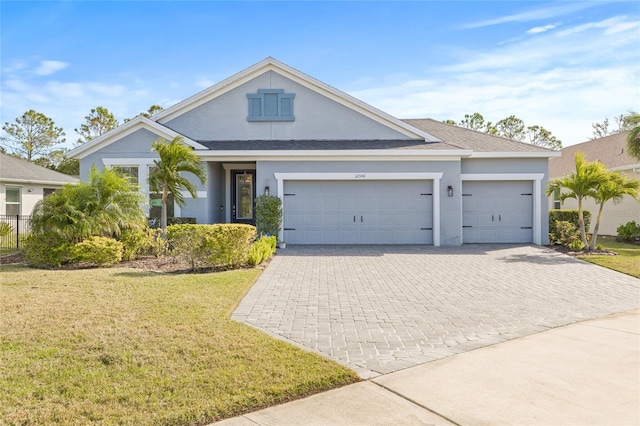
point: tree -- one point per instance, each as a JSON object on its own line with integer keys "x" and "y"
{"x": 99, "y": 121}
{"x": 165, "y": 177}
{"x": 511, "y": 128}
{"x": 602, "y": 129}
{"x": 614, "y": 188}
{"x": 540, "y": 136}
{"x": 153, "y": 109}
{"x": 581, "y": 184}
{"x": 632, "y": 121}
{"x": 57, "y": 160}
{"x": 104, "y": 206}
{"x": 32, "y": 135}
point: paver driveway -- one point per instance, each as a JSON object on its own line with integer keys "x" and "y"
{"x": 379, "y": 309}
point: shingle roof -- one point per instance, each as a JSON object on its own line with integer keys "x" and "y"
{"x": 312, "y": 145}
{"x": 610, "y": 150}
{"x": 465, "y": 138}
{"x": 17, "y": 169}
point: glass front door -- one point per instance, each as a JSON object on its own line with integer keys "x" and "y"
{"x": 242, "y": 195}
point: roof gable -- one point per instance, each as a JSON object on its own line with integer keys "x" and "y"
{"x": 610, "y": 150}
{"x": 16, "y": 170}
{"x": 125, "y": 129}
{"x": 271, "y": 64}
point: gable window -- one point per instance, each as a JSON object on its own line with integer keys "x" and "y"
{"x": 271, "y": 105}
{"x": 47, "y": 191}
{"x": 129, "y": 171}
{"x": 13, "y": 197}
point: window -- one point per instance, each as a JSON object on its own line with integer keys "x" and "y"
{"x": 155, "y": 202}
{"x": 271, "y": 105}
{"x": 557, "y": 204}
{"x": 47, "y": 191}
{"x": 13, "y": 195}
{"x": 130, "y": 171}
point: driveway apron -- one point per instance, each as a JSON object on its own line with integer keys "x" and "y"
{"x": 379, "y": 309}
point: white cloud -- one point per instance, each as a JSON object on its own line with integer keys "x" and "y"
{"x": 538, "y": 30}
{"x": 558, "y": 9}
{"x": 561, "y": 82}
{"x": 50, "y": 67}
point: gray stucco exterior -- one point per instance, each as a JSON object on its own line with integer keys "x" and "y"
{"x": 333, "y": 137}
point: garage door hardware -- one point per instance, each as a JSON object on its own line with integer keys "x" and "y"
{"x": 354, "y": 219}
{"x": 426, "y": 194}
{"x": 526, "y": 194}
{"x": 289, "y": 229}
{"x": 466, "y": 195}
{"x": 467, "y": 226}
{"x": 499, "y": 218}
{"x": 526, "y": 227}
{"x": 426, "y": 229}
{"x": 287, "y": 195}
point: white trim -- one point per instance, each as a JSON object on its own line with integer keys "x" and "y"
{"x": 365, "y": 176}
{"x": 37, "y": 182}
{"x": 131, "y": 126}
{"x": 517, "y": 154}
{"x": 536, "y": 178}
{"x": 239, "y": 166}
{"x": 635, "y": 168}
{"x": 332, "y": 155}
{"x": 271, "y": 64}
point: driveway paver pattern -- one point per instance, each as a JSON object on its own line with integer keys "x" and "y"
{"x": 379, "y": 309}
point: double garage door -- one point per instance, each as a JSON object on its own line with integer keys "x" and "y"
{"x": 358, "y": 212}
{"x": 497, "y": 212}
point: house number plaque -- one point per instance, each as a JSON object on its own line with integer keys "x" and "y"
{"x": 360, "y": 175}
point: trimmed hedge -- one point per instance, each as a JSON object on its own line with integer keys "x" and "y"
{"x": 567, "y": 216}
{"x": 205, "y": 246}
{"x": 46, "y": 250}
{"x": 98, "y": 251}
{"x": 147, "y": 242}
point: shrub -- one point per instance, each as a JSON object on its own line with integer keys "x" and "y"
{"x": 576, "y": 245}
{"x": 220, "y": 245}
{"x": 5, "y": 229}
{"x": 630, "y": 231}
{"x": 567, "y": 216}
{"x": 46, "y": 250}
{"x": 137, "y": 243}
{"x": 98, "y": 251}
{"x": 564, "y": 233}
{"x": 268, "y": 215}
{"x": 262, "y": 250}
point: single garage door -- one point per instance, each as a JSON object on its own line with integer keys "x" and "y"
{"x": 358, "y": 212}
{"x": 497, "y": 212}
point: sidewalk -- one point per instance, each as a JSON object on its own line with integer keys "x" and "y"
{"x": 584, "y": 373}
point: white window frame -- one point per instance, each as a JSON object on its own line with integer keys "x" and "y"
{"x": 12, "y": 203}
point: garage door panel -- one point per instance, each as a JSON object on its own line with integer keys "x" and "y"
{"x": 497, "y": 212}
{"x": 385, "y": 212}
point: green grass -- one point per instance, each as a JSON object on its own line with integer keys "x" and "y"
{"x": 627, "y": 261}
{"x": 119, "y": 346}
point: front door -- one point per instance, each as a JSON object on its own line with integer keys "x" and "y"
{"x": 243, "y": 192}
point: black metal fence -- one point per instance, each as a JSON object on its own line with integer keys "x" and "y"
{"x": 18, "y": 228}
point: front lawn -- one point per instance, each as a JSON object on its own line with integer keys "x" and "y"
{"x": 627, "y": 261}
{"x": 120, "y": 346}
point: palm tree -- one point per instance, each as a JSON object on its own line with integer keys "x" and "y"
{"x": 632, "y": 121}
{"x": 165, "y": 177}
{"x": 615, "y": 188}
{"x": 581, "y": 184}
{"x": 105, "y": 205}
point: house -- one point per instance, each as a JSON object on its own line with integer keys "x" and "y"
{"x": 347, "y": 173}
{"x": 23, "y": 184}
{"x": 612, "y": 152}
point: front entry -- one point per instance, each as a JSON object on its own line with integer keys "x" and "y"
{"x": 243, "y": 192}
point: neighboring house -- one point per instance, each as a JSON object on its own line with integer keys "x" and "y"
{"x": 612, "y": 152}
{"x": 347, "y": 173}
{"x": 23, "y": 184}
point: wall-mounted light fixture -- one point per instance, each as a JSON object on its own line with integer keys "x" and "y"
{"x": 266, "y": 191}
{"x": 450, "y": 191}
{"x": 29, "y": 189}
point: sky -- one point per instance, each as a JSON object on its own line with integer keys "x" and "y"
{"x": 562, "y": 65}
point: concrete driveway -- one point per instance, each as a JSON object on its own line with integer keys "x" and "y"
{"x": 379, "y": 309}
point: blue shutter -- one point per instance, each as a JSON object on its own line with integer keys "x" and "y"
{"x": 270, "y": 105}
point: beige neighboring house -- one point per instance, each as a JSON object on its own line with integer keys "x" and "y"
{"x": 612, "y": 152}
{"x": 23, "y": 184}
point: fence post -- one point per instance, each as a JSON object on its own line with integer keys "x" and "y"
{"x": 18, "y": 232}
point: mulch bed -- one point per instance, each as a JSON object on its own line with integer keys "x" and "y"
{"x": 566, "y": 250}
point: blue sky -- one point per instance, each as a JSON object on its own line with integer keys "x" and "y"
{"x": 561, "y": 65}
